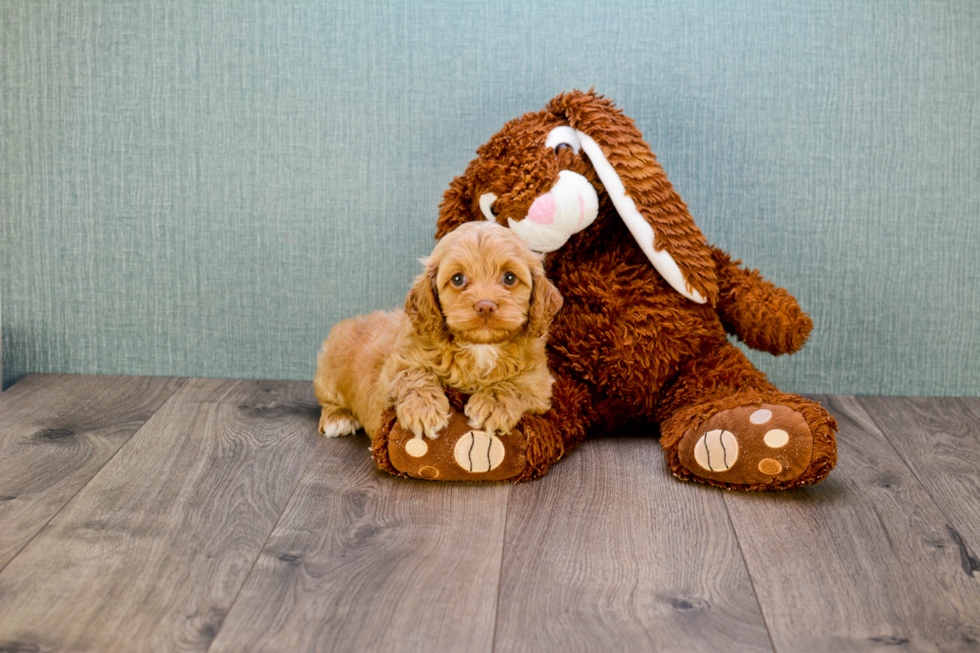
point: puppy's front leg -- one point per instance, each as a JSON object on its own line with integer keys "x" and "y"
{"x": 420, "y": 402}
{"x": 499, "y": 407}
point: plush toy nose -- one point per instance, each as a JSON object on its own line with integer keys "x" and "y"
{"x": 485, "y": 308}
{"x": 542, "y": 211}
{"x": 567, "y": 208}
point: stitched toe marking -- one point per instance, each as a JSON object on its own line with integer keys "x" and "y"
{"x": 478, "y": 452}
{"x": 716, "y": 451}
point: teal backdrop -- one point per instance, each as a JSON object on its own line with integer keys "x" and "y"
{"x": 205, "y": 188}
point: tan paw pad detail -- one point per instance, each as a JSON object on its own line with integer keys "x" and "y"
{"x": 760, "y": 416}
{"x": 416, "y": 447}
{"x": 428, "y": 473}
{"x": 776, "y": 438}
{"x": 770, "y": 467}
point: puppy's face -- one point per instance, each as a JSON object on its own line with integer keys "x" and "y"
{"x": 483, "y": 285}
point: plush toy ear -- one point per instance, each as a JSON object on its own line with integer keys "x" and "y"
{"x": 546, "y": 301}
{"x": 422, "y": 304}
{"x": 644, "y": 198}
{"x": 456, "y": 207}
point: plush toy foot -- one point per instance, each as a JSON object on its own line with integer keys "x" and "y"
{"x": 769, "y": 443}
{"x": 462, "y": 453}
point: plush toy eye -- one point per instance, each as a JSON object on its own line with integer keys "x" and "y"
{"x": 510, "y": 278}
{"x": 458, "y": 279}
{"x": 487, "y": 206}
{"x": 563, "y": 138}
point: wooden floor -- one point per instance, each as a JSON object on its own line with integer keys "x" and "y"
{"x": 141, "y": 514}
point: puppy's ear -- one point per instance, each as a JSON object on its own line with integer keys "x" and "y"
{"x": 456, "y": 207}
{"x": 545, "y": 303}
{"x": 422, "y": 304}
{"x": 643, "y": 197}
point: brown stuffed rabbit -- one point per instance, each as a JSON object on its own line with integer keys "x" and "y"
{"x": 641, "y": 337}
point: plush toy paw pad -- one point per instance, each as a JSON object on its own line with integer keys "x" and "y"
{"x": 754, "y": 444}
{"x": 716, "y": 451}
{"x": 479, "y": 451}
{"x": 460, "y": 453}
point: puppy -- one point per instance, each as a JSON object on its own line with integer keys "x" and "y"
{"x": 475, "y": 320}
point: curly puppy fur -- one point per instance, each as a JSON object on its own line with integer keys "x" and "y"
{"x": 475, "y": 320}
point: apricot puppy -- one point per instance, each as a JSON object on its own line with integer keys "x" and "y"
{"x": 475, "y": 320}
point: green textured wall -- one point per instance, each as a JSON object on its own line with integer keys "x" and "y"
{"x": 196, "y": 188}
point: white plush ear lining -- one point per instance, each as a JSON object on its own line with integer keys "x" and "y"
{"x": 645, "y": 237}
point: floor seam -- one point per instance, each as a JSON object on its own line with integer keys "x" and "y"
{"x": 268, "y": 537}
{"x": 500, "y": 573}
{"x": 925, "y": 488}
{"x": 748, "y": 572}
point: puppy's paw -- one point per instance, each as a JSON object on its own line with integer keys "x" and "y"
{"x": 334, "y": 424}
{"x": 424, "y": 411}
{"x": 494, "y": 414}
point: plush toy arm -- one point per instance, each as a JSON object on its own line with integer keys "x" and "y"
{"x": 759, "y": 313}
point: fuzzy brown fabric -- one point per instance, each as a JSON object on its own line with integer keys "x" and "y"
{"x": 379, "y": 446}
{"x": 626, "y": 348}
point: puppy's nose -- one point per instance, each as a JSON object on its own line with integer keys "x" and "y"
{"x": 485, "y": 308}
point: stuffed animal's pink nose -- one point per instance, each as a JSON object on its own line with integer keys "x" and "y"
{"x": 485, "y": 308}
{"x": 542, "y": 211}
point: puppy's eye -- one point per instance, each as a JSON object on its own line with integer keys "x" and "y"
{"x": 458, "y": 280}
{"x": 510, "y": 278}
{"x": 561, "y": 147}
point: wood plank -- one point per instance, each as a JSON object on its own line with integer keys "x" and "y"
{"x": 57, "y": 431}
{"x": 610, "y": 553}
{"x": 364, "y": 561}
{"x": 863, "y": 560}
{"x": 152, "y": 552}
{"x": 939, "y": 439}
